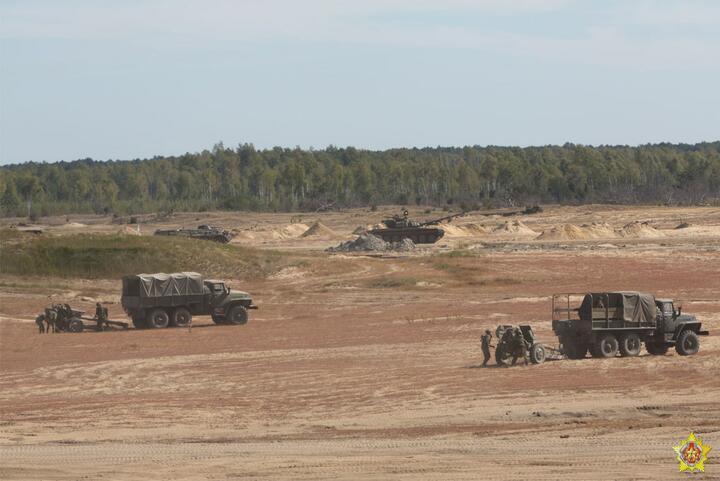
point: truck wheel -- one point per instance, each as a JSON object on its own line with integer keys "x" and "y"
{"x": 688, "y": 343}
{"x": 607, "y": 346}
{"x": 630, "y": 345}
{"x": 237, "y": 315}
{"x": 158, "y": 319}
{"x": 537, "y": 353}
{"x": 75, "y": 325}
{"x": 218, "y": 320}
{"x": 656, "y": 349}
{"x": 181, "y": 317}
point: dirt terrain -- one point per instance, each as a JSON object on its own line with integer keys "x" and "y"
{"x": 368, "y": 366}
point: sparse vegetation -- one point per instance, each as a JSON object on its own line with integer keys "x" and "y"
{"x": 103, "y": 256}
{"x": 392, "y": 282}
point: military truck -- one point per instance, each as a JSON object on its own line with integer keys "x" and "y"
{"x": 608, "y": 323}
{"x": 162, "y": 300}
{"x": 204, "y": 232}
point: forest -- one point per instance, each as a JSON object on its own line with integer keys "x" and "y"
{"x": 284, "y": 179}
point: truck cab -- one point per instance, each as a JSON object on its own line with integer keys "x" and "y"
{"x": 228, "y": 306}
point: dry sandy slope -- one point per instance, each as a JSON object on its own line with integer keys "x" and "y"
{"x": 335, "y": 377}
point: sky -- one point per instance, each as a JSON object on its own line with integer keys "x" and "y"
{"x": 112, "y": 79}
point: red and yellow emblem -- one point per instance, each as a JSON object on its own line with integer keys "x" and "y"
{"x": 692, "y": 453}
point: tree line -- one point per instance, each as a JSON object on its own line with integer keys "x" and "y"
{"x": 283, "y": 179}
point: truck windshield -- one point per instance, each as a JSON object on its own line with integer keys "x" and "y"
{"x": 667, "y": 309}
{"x": 218, "y": 288}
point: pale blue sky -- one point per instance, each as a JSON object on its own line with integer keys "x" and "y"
{"x": 118, "y": 79}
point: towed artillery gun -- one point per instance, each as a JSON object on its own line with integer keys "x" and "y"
{"x": 608, "y": 323}
{"x": 535, "y": 351}
{"x": 74, "y": 323}
{"x": 204, "y": 232}
{"x": 162, "y": 300}
{"x": 399, "y": 227}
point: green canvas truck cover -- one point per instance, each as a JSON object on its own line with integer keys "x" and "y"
{"x": 635, "y": 306}
{"x": 177, "y": 284}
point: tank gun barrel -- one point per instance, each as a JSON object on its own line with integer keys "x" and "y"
{"x": 441, "y": 219}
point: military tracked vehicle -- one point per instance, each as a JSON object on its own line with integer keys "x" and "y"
{"x": 160, "y": 300}
{"x": 608, "y": 323}
{"x": 399, "y": 227}
{"x": 204, "y": 232}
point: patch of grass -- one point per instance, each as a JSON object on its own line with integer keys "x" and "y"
{"x": 112, "y": 256}
{"x": 468, "y": 268}
{"x": 392, "y": 282}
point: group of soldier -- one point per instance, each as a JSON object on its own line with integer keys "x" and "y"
{"x": 518, "y": 346}
{"x": 56, "y": 317}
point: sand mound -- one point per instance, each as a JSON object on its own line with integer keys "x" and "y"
{"x": 564, "y": 232}
{"x": 318, "y": 229}
{"x": 474, "y": 229}
{"x": 596, "y": 230}
{"x": 463, "y": 230}
{"x": 72, "y": 225}
{"x": 599, "y": 230}
{"x": 513, "y": 228}
{"x": 127, "y": 230}
{"x": 293, "y": 230}
{"x": 639, "y": 229}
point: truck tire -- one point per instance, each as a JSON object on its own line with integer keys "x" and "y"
{"x": 656, "y": 349}
{"x": 688, "y": 343}
{"x": 537, "y": 353}
{"x": 237, "y": 315}
{"x": 75, "y": 325}
{"x": 607, "y": 345}
{"x": 181, "y": 317}
{"x": 218, "y": 320}
{"x": 630, "y": 345}
{"x": 158, "y": 319}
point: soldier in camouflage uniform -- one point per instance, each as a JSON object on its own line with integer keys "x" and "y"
{"x": 40, "y": 321}
{"x": 485, "y": 339}
{"x": 51, "y": 317}
{"x": 520, "y": 347}
{"x": 101, "y": 315}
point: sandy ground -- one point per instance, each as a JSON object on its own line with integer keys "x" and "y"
{"x": 342, "y": 375}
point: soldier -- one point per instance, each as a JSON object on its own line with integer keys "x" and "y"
{"x": 51, "y": 314}
{"x": 40, "y": 321}
{"x": 519, "y": 347}
{"x": 101, "y": 316}
{"x": 485, "y": 339}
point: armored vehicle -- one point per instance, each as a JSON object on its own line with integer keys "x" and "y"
{"x": 606, "y": 323}
{"x": 205, "y": 232}
{"x": 398, "y": 228}
{"x": 159, "y": 300}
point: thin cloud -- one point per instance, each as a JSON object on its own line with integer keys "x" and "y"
{"x": 610, "y": 40}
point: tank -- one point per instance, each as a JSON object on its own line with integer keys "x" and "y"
{"x": 204, "y": 232}
{"x": 401, "y": 227}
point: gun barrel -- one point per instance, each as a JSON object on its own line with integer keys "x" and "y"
{"x": 437, "y": 221}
